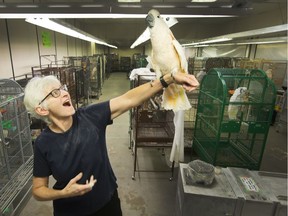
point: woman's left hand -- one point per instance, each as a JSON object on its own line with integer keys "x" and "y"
{"x": 188, "y": 81}
{"x": 73, "y": 188}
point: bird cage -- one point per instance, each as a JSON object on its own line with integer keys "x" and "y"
{"x": 16, "y": 152}
{"x": 234, "y": 112}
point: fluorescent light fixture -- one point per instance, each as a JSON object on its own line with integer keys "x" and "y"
{"x": 130, "y": 6}
{"x": 129, "y": 1}
{"x": 226, "y": 6}
{"x": 61, "y": 28}
{"x": 71, "y": 16}
{"x": 92, "y": 6}
{"x": 163, "y": 6}
{"x": 99, "y": 15}
{"x": 203, "y": 1}
{"x": 27, "y": 6}
{"x": 233, "y": 36}
{"x": 216, "y": 40}
{"x": 262, "y": 31}
{"x": 190, "y": 44}
{"x": 197, "y": 6}
{"x": 200, "y": 16}
{"x": 201, "y": 45}
{"x": 248, "y": 42}
{"x": 59, "y": 6}
{"x": 263, "y": 41}
{"x": 146, "y": 34}
{"x": 260, "y": 42}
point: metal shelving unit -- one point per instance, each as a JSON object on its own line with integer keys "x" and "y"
{"x": 97, "y": 76}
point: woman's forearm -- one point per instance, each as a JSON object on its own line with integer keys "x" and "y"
{"x": 42, "y": 192}
{"x": 47, "y": 194}
{"x": 137, "y": 96}
{"x": 143, "y": 92}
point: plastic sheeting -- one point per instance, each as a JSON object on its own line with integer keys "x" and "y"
{"x": 224, "y": 51}
{"x": 262, "y": 51}
{"x": 272, "y": 51}
{"x": 190, "y": 52}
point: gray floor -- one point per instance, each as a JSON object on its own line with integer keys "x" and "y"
{"x": 152, "y": 193}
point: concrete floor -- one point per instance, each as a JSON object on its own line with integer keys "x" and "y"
{"x": 152, "y": 193}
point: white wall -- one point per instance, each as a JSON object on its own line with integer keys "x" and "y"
{"x": 5, "y": 60}
{"x": 61, "y": 46}
{"x": 224, "y": 51}
{"x": 27, "y": 49}
{"x": 24, "y": 50}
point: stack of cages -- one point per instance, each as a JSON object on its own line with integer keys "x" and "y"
{"x": 85, "y": 79}
{"x": 16, "y": 152}
{"x": 139, "y": 60}
{"x": 104, "y": 73}
{"x": 97, "y": 75}
{"x": 82, "y": 77}
{"x": 234, "y": 112}
{"x": 190, "y": 118}
{"x": 94, "y": 77}
{"x": 195, "y": 65}
{"x": 125, "y": 64}
{"x": 113, "y": 62}
{"x": 67, "y": 76}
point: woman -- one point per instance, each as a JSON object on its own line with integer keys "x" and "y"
{"x": 73, "y": 147}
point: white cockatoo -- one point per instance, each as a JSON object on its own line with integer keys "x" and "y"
{"x": 239, "y": 95}
{"x": 168, "y": 57}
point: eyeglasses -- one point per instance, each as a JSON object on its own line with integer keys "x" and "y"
{"x": 55, "y": 93}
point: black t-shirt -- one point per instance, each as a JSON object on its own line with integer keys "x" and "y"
{"x": 80, "y": 149}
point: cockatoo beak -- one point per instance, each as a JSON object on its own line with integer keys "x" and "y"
{"x": 150, "y": 20}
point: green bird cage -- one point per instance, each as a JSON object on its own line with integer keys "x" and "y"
{"x": 234, "y": 112}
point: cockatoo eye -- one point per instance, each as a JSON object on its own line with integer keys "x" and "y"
{"x": 158, "y": 16}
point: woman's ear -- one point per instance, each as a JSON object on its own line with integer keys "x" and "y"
{"x": 41, "y": 111}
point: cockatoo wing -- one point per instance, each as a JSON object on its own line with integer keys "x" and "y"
{"x": 174, "y": 96}
{"x": 179, "y": 49}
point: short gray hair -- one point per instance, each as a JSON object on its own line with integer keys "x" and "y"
{"x": 35, "y": 91}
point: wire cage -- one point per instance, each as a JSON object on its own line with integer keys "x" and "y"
{"x": 16, "y": 152}
{"x": 235, "y": 108}
{"x": 151, "y": 126}
{"x": 190, "y": 118}
{"x": 81, "y": 66}
{"x": 97, "y": 76}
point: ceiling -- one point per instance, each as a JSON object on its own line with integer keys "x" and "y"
{"x": 123, "y": 32}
